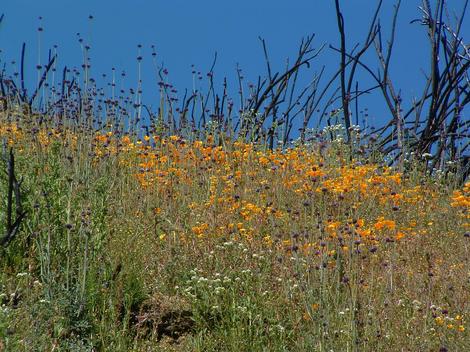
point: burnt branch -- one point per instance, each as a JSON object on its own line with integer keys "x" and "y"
{"x": 13, "y": 221}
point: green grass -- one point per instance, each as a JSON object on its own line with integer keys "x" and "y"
{"x": 240, "y": 255}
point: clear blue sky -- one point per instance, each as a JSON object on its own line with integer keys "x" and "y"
{"x": 189, "y": 32}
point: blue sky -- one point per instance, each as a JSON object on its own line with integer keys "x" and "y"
{"x": 189, "y": 32}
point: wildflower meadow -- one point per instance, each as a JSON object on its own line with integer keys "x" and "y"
{"x": 120, "y": 232}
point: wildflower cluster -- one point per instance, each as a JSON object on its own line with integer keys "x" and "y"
{"x": 288, "y": 243}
